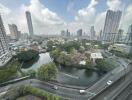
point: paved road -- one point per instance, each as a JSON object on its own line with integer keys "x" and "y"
{"x": 126, "y": 94}
{"x": 73, "y": 93}
{"x": 112, "y": 90}
{"x": 62, "y": 91}
{"x": 102, "y": 84}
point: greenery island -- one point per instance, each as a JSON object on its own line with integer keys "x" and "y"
{"x": 77, "y": 54}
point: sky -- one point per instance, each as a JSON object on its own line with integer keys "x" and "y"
{"x": 52, "y": 16}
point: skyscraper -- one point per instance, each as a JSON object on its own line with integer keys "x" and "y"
{"x": 92, "y": 33}
{"x": 63, "y": 33}
{"x": 5, "y": 55}
{"x": 119, "y": 36}
{"x": 29, "y": 22}
{"x": 111, "y": 25}
{"x": 14, "y": 31}
{"x": 79, "y": 32}
{"x": 128, "y": 39}
{"x": 67, "y": 33}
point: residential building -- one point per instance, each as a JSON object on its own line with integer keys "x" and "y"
{"x": 29, "y": 22}
{"x": 129, "y": 36}
{"x": 119, "y": 36}
{"x": 79, "y": 32}
{"x": 5, "y": 55}
{"x": 67, "y": 33}
{"x": 14, "y": 33}
{"x": 128, "y": 39}
{"x": 63, "y": 33}
{"x": 111, "y": 25}
{"x": 92, "y": 33}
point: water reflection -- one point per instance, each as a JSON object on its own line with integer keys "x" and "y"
{"x": 67, "y": 75}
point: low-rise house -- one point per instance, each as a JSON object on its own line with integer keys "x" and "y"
{"x": 94, "y": 56}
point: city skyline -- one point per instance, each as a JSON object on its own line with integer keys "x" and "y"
{"x": 47, "y": 20}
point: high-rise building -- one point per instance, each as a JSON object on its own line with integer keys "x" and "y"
{"x": 67, "y": 33}
{"x": 111, "y": 25}
{"x": 19, "y": 34}
{"x": 14, "y": 33}
{"x": 128, "y": 39}
{"x": 29, "y": 22}
{"x": 5, "y": 55}
{"x": 99, "y": 36}
{"x": 119, "y": 36}
{"x": 79, "y": 32}
{"x": 63, "y": 33}
{"x": 92, "y": 33}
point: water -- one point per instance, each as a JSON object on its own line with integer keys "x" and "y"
{"x": 67, "y": 75}
{"x": 43, "y": 59}
{"x": 78, "y": 77}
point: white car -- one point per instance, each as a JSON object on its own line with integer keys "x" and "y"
{"x": 55, "y": 87}
{"x": 82, "y": 91}
{"x": 109, "y": 82}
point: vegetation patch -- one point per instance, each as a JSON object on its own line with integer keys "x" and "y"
{"x": 24, "y": 90}
{"x": 47, "y": 71}
{"x": 8, "y": 71}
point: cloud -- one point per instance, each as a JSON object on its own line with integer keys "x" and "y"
{"x": 114, "y": 4}
{"x": 127, "y": 18}
{"x": 99, "y": 21}
{"x": 88, "y": 13}
{"x": 4, "y": 10}
{"x": 44, "y": 20}
{"x": 70, "y": 7}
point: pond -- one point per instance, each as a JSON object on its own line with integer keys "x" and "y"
{"x": 67, "y": 75}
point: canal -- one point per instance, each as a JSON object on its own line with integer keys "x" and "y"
{"x": 66, "y": 75}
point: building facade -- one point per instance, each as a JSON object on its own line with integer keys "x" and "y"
{"x": 5, "y": 55}
{"x": 79, "y": 32}
{"x": 111, "y": 25}
{"x": 14, "y": 33}
{"x": 92, "y": 33}
{"x": 128, "y": 39}
{"x": 119, "y": 37}
{"x": 29, "y": 22}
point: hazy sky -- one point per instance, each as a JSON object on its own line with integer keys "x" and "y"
{"x": 52, "y": 16}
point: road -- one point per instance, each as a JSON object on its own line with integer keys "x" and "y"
{"x": 69, "y": 93}
{"x": 101, "y": 87}
{"x": 126, "y": 94}
{"x": 115, "y": 88}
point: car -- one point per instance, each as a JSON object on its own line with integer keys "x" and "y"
{"x": 55, "y": 87}
{"x": 109, "y": 82}
{"x": 82, "y": 91}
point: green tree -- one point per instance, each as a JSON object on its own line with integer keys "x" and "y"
{"x": 25, "y": 56}
{"x": 47, "y": 71}
{"x": 103, "y": 65}
{"x": 55, "y": 54}
{"x": 89, "y": 64}
{"x": 32, "y": 73}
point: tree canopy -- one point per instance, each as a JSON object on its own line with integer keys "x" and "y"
{"x": 47, "y": 71}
